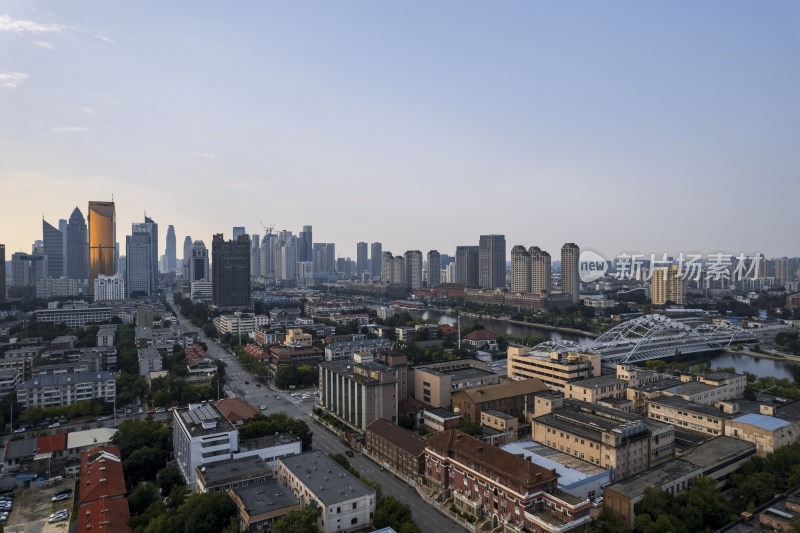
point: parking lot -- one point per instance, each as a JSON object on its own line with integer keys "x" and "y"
{"x": 33, "y": 507}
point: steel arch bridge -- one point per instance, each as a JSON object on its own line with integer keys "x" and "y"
{"x": 655, "y": 337}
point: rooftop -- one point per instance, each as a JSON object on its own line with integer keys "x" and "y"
{"x": 59, "y": 380}
{"x": 81, "y": 439}
{"x": 599, "y": 381}
{"x": 264, "y": 498}
{"x": 105, "y": 515}
{"x": 442, "y": 413}
{"x": 52, "y": 443}
{"x": 718, "y": 450}
{"x": 508, "y": 389}
{"x": 235, "y": 409}
{"x": 482, "y": 335}
{"x": 720, "y": 376}
{"x": 689, "y": 388}
{"x": 231, "y": 470}
{"x": 633, "y": 486}
{"x": 402, "y": 438}
{"x": 679, "y": 402}
{"x": 661, "y": 384}
{"x": 325, "y": 478}
{"x": 570, "y": 469}
{"x": 498, "y": 414}
{"x": 204, "y": 419}
{"x": 769, "y": 423}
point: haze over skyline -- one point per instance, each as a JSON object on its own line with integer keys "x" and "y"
{"x": 618, "y": 126}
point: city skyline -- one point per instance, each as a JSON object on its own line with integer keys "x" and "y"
{"x": 672, "y": 127}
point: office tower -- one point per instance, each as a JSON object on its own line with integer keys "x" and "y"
{"x": 267, "y": 269}
{"x": 77, "y": 247}
{"x": 139, "y": 279}
{"x": 187, "y": 249}
{"x": 541, "y": 271}
{"x": 287, "y": 270}
{"x": 102, "y": 241}
{"x": 434, "y": 269}
{"x": 570, "y": 282}
{"x": 330, "y": 257}
{"x": 153, "y": 250}
{"x": 413, "y": 269}
{"x": 467, "y": 265}
{"x": 27, "y": 269}
{"x": 237, "y": 230}
{"x": 520, "y": 269}
{"x": 449, "y": 273}
{"x": 667, "y": 286}
{"x": 376, "y": 258}
{"x": 255, "y": 255}
{"x": 62, "y": 227}
{"x": 2, "y": 272}
{"x": 198, "y": 262}
{"x": 171, "y": 251}
{"x": 305, "y": 245}
{"x": 361, "y": 258}
{"x": 230, "y": 271}
{"x": 492, "y": 261}
{"x": 54, "y": 250}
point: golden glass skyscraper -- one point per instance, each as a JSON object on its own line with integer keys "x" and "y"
{"x": 102, "y": 241}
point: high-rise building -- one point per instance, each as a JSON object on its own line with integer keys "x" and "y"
{"x": 541, "y": 271}
{"x": 77, "y": 247}
{"x": 376, "y": 260}
{"x": 238, "y": 230}
{"x": 361, "y": 258}
{"x": 666, "y": 285}
{"x": 153, "y": 250}
{"x": 187, "y": 249}
{"x": 492, "y": 261}
{"x": 467, "y": 265}
{"x": 570, "y": 262}
{"x": 305, "y": 245}
{"x": 267, "y": 268}
{"x": 102, "y": 240}
{"x": 434, "y": 269}
{"x": 2, "y": 272}
{"x": 520, "y": 269}
{"x": 230, "y": 271}
{"x": 171, "y": 251}
{"x": 54, "y": 249}
{"x": 394, "y": 270}
{"x": 413, "y": 267}
{"x": 62, "y": 227}
{"x": 198, "y": 263}
{"x": 138, "y": 261}
{"x": 255, "y": 255}
{"x": 109, "y": 288}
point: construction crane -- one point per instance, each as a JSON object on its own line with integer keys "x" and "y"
{"x": 268, "y": 229}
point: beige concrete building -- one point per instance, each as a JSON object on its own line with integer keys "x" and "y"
{"x": 667, "y": 286}
{"x": 768, "y": 433}
{"x": 520, "y": 269}
{"x": 513, "y": 398}
{"x": 541, "y": 271}
{"x": 688, "y": 416}
{"x": 593, "y": 390}
{"x": 621, "y": 442}
{"x": 709, "y": 389}
{"x": 296, "y": 337}
{"x": 435, "y": 383}
{"x": 507, "y": 424}
{"x": 556, "y": 369}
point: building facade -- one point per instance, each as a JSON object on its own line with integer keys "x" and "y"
{"x": 492, "y": 261}
{"x": 102, "y": 240}
{"x": 570, "y": 264}
{"x": 66, "y": 389}
{"x": 231, "y": 271}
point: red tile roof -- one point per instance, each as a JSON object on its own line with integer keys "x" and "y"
{"x": 101, "y": 474}
{"x": 195, "y": 354}
{"x": 482, "y": 335}
{"x": 106, "y": 515}
{"x": 52, "y": 443}
{"x": 255, "y": 351}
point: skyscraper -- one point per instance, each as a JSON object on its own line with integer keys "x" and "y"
{"x": 62, "y": 227}
{"x": 520, "y": 269}
{"x": 238, "y": 230}
{"x": 230, "y": 271}
{"x": 267, "y": 268}
{"x": 376, "y": 258}
{"x": 54, "y": 250}
{"x": 492, "y": 261}
{"x": 541, "y": 271}
{"x": 413, "y": 267}
{"x": 667, "y": 286}
{"x": 197, "y": 263}
{"x": 467, "y": 265}
{"x": 77, "y": 246}
{"x": 171, "y": 251}
{"x": 361, "y": 258}
{"x": 305, "y": 245}
{"x": 102, "y": 241}
{"x": 2, "y": 272}
{"x": 255, "y": 255}
{"x": 138, "y": 261}
{"x": 570, "y": 280}
{"x": 394, "y": 270}
{"x": 434, "y": 269}
{"x": 187, "y": 254}
{"x": 153, "y": 250}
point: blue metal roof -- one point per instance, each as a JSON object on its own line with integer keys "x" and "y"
{"x": 769, "y": 423}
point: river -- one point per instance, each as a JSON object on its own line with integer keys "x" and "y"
{"x": 742, "y": 363}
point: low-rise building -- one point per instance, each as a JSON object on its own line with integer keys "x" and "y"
{"x": 296, "y": 338}
{"x": 237, "y": 411}
{"x": 199, "y": 364}
{"x": 395, "y": 448}
{"x": 285, "y": 356}
{"x": 316, "y": 479}
{"x": 201, "y": 434}
{"x": 66, "y": 389}
{"x": 556, "y": 369}
{"x": 101, "y": 475}
{"x": 513, "y": 398}
{"x": 593, "y": 390}
{"x": 642, "y": 394}
{"x": 149, "y": 360}
{"x": 105, "y": 515}
{"x": 437, "y": 419}
{"x": 710, "y": 388}
{"x": 223, "y": 476}
{"x": 688, "y": 416}
{"x": 83, "y": 441}
{"x": 483, "y": 339}
{"x": 435, "y": 383}
{"x": 239, "y": 323}
{"x": 77, "y": 317}
{"x": 768, "y": 433}
{"x": 345, "y": 349}
{"x": 260, "y": 505}
{"x": 507, "y": 425}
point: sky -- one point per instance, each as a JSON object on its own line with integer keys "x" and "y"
{"x": 620, "y": 126}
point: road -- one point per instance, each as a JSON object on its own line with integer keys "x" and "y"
{"x": 277, "y": 401}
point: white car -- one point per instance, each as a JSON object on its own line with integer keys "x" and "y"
{"x": 54, "y": 425}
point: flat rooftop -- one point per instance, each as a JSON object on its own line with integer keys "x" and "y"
{"x": 679, "y": 402}
{"x": 691, "y": 387}
{"x": 266, "y": 497}
{"x": 599, "y": 381}
{"x": 466, "y": 373}
{"x": 570, "y": 469}
{"x": 663, "y": 474}
{"x": 232, "y": 470}
{"x": 326, "y": 478}
{"x": 718, "y": 450}
{"x": 204, "y": 420}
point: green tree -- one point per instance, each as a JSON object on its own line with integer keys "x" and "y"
{"x": 143, "y": 464}
{"x": 133, "y": 435}
{"x": 169, "y": 477}
{"x": 471, "y": 427}
{"x": 303, "y": 521}
{"x": 391, "y": 512}
{"x": 210, "y": 512}
{"x": 141, "y": 497}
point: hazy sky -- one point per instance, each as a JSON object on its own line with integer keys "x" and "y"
{"x": 638, "y": 126}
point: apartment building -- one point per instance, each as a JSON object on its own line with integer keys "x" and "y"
{"x": 395, "y": 448}
{"x": 66, "y": 389}
{"x": 556, "y": 369}
{"x": 435, "y": 383}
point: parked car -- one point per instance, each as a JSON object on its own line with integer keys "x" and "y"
{"x": 59, "y": 497}
{"x": 54, "y": 425}
{"x": 160, "y": 410}
{"x": 349, "y": 453}
{"x": 66, "y": 490}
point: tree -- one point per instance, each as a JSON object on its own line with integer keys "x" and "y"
{"x": 143, "y": 464}
{"x": 209, "y": 512}
{"x": 169, "y": 477}
{"x": 133, "y": 435}
{"x": 391, "y": 512}
{"x": 471, "y": 427}
{"x": 141, "y": 497}
{"x": 304, "y": 521}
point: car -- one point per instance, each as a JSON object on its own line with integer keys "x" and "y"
{"x": 58, "y": 518}
{"x": 160, "y": 410}
{"x": 247, "y": 383}
{"x": 258, "y": 384}
{"x": 54, "y": 425}
{"x": 20, "y": 430}
{"x": 151, "y": 412}
{"x": 102, "y": 418}
{"x": 141, "y": 410}
{"x": 349, "y": 453}
{"x": 59, "y": 497}
{"x": 128, "y": 411}
{"x": 277, "y": 396}
{"x": 263, "y": 407}
{"x": 597, "y": 502}
{"x": 66, "y": 490}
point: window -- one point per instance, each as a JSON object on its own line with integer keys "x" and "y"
{"x": 354, "y": 506}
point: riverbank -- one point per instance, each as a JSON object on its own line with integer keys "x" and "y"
{"x": 549, "y": 327}
{"x": 789, "y": 358}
